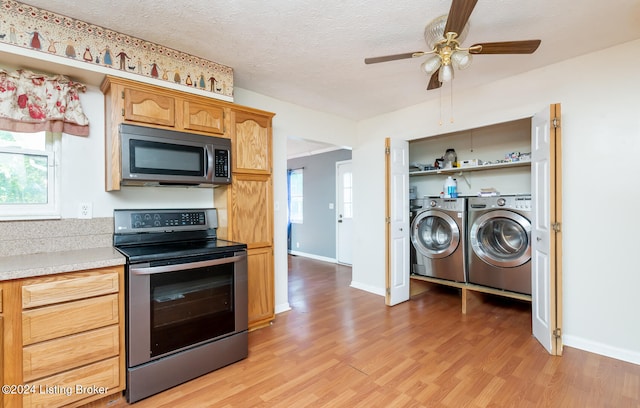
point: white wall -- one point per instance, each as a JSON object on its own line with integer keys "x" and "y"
{"x": 601, "y": 141}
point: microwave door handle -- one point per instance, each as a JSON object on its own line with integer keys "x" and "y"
{"x": 181, "y": 267}
{"x": 210, "y": 157}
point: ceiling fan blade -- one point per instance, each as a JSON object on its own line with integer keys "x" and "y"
{"x": 375, "y": 60}
{"x": 433, "y": 82}
{"x": 459, "y": 14}
{"x": 506, "y": 47}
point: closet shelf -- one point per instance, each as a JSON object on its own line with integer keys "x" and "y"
{"x": 456, "y": 170}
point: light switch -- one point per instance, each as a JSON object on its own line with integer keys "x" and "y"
{"x": 331, "y": 206}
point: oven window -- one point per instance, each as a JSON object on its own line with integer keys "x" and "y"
{"x": 165, "y": 158}
{"x": 191, "y": 306}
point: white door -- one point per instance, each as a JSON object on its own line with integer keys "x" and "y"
{"x": 397, "y": 221}
{"x": 344, "y": 212}
{"x": 544, "y": 289}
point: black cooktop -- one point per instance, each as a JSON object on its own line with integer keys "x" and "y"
{"x": 212, "y": 248}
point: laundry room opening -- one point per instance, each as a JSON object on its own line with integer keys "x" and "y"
{"x": 470, "y": 209}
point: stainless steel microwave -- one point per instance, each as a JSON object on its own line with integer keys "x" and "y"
{"x": 158, "y": 157}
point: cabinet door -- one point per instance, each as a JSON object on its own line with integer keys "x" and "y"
{"x": 261, "y": 296}
{"x": 204, "y": 118}
{"x": 252, "y": 209}
{"x": 146, "y": 107}
{"x": 251, "y": 143}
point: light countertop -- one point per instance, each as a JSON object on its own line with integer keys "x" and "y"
{"x": 49, "y": 263}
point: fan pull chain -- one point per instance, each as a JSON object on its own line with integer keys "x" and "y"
{"x": 440, "y": 94}
{"x": 451, "y": 101}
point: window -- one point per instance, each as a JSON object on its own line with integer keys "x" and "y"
{"x": 295, "y": 196}
{"x": 29, "y": 175}
{"x": 347, "y": 195}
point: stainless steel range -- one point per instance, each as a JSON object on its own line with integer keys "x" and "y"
{"x": 186, "y": 297}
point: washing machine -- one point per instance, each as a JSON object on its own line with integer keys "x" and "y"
{"x": 438, "y": 236}
{"x": 499, "y": 242}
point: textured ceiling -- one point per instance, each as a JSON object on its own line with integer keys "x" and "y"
{"x": 311, "y": 52}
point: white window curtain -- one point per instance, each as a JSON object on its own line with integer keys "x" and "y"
{"x": 32, "y": 102}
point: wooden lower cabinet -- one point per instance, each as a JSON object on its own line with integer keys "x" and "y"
{"x": 65, "y": 336}
{"x": 261, "y": 287}
{"x": 251, "y": 222}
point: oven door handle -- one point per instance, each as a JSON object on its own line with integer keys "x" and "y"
{"x": 150, "y": 270}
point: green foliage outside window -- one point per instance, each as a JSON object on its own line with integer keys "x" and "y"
{"x": 23, "y": 175}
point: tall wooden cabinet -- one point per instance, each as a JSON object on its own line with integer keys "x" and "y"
{"x": 249, "y": 212}
{"x": 245, "y": 207}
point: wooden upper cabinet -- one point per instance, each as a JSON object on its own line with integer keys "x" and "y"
{"x": 147, "y": 107}
{"x": 251, "y": 142}
{"x": 205, "y": 118}
{"x": 139, "y": 103}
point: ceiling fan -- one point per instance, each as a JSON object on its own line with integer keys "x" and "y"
{"x": 444, "y": 36}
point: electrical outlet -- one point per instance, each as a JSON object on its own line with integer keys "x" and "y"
{"x": 84, "y": 210}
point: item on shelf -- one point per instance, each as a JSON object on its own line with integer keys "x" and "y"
{"x": 438, "y": 163}
{"x": 488, "y": 192}
{"x": 417, "y": 166}
{"x": 450, "y": 158}
{"x": 450, "y": 188}
{"x": 470, "y": 163}
{"x": 413, "y": 192}
{"x": 517, "y": 156}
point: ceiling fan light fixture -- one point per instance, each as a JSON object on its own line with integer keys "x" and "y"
{"x": 461, "y": 59}
{"x": 434, "y": 31}
{"x": 446, "y": 73}
{"x": 431, "y": 64}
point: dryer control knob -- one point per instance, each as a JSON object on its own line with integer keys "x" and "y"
{"x": 501, "y": 202}
{"x": 432, "y": 203}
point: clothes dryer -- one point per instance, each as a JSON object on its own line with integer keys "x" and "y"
{"x": 438, "y": 236}
{"x": 499, "y": 242}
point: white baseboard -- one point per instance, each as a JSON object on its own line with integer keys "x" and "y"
{"x": 284, "y": 307}
{"x": 367, "y": 288}
{"x": 312, "y": 256}
{"x": 602, "y": 349}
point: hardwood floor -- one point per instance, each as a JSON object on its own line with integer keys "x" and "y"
{"x": 342, "y": 347}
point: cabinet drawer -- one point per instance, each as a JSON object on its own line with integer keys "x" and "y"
{"x": 54, "y": 356}
{"x": 74, "y": 385}
{"x": 55, "y": 321}
{"x": 73, "y": 288}
{"x": 146, "y": 107}
{"x": 204, "y": 118}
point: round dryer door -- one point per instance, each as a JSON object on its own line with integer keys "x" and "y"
{"x": 435, "y": 234}
{"x": 501, "y": 238}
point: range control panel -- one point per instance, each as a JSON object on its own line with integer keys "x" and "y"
{"x": 136, "y": 221}
{"x": 149, "y": 220}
